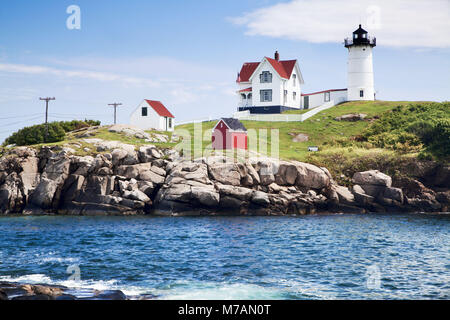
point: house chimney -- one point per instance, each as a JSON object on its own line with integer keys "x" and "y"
{"x": 277, "y": 56}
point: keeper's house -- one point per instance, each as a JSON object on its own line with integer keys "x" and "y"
{"x": 151, "y": 114}
{"x": 270, "y": 86}
{"x": 229, "y": 133}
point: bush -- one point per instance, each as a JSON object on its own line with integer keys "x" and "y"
{"x": 413, "y": 128}
{"x": 56, "y": 132}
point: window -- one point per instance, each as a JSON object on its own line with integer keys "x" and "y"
{"x": 266, "y": 95}
{"x": 144, "y": 111}
{"x": 361, "y": 93}
{"x": 243, "y": 96}
{"x": 294, "y": 77}
{"x": 294, "y": 95}
{"x": 364, "y": 35}
{"x": 170, "y": 122}
{"x": 327, "y": 96}
{"x": 249, "y": 96}
{"x": 285, "y": 92}
{"x": 265, "y": 77}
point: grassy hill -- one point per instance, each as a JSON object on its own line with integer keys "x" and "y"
{"x": 343, "y": 149}
{"x": 322, "y": 129}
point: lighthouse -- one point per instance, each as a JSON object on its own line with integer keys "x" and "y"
{"x": 360, "y": 66}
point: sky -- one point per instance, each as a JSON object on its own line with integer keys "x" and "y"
{"x": 187, "y": 53}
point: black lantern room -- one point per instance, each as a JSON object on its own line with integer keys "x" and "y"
{"x": 360, "y": 37}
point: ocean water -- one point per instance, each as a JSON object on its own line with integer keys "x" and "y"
{"x": 389, "y": 256}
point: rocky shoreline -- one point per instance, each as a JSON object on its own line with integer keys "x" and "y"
{"x": 27, "y": 291}
{"x": 123, "y": 181}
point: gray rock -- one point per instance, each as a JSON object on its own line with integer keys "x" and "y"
{"x": 146, "y": 187}
{"x": 151, "y": 177}
{"x": 206, "y": 195}
{"x": 260, "y": 198}
{"x": 373, "y": 190}
{"x": 118, "y": 155}
{"x": 178, "y": 192}
{"x": 23, "y": 152}
{"x": 394, "y": 194}
{"x": 351, "y": 117}
{"x": 361, "y": 198}
{"x": 287, "y": 174}
{"x": 148, "y": 153}
{"x": 344, "y": 195}
{"x": 241, "y": 193}
{"x": 310, "y": 176}
{"x": 226, "y": 173}
{"x": 158, "y": 171}
{"x": 136, "y": 195}
{"x": 372, "y": 177}
{"x": 29, "y": 176}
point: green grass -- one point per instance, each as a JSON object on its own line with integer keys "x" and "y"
{"x": 322, "y": 129}
{"x": 301, "y": 111}
{"x": 104, "y": 134}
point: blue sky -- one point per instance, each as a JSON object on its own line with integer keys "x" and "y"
{"x": 187, "y": 53}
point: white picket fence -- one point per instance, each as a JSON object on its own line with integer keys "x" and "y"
{"x": 246, "y": 115}
{"x": 194, "y": 121}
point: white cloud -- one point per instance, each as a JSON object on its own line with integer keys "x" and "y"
{"x": 84, "y": 74}
{"x": 399, "y": 23}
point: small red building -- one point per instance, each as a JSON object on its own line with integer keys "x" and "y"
{"x": 229, "y": 133}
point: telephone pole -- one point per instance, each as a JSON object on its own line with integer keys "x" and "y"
{"x": 46, "y": 115}
{"x": 115, "y": 105}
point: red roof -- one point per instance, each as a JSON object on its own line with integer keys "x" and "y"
{"x": 246, "y": 71}
{"x": 283, "y": 68}
{"x": 160, "y": 108}
{"x": 246, "y": 90}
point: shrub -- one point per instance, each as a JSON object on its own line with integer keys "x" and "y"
{"x": 56, "y": 132}
{"x": 413, "y": 128}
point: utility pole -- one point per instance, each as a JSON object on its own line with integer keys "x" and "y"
{"x": 115, "y": 105}
{"x": 46, "y": 115}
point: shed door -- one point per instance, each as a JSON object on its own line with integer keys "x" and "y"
{"x": 306, "y": 102}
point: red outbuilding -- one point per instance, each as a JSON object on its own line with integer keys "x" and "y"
{"x": 229, "y": 133}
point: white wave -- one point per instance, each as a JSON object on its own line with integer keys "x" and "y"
{"x": 79, "y": 288}
{"x": 218, "y": 291}
{"x": 29, "y": 278}
{"x": 54, "y": 256}
{"x": 60, "y": 260}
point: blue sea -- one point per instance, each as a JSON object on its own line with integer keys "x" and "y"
{"x": 382, "y": 256}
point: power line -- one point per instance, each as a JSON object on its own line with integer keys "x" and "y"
{"x": 22, "y": 116}
{"x": 23, "y": 121}
{"x": 46, "y": 115}
{"x": 76, "y": 114}
{"x": 115, "y": 104}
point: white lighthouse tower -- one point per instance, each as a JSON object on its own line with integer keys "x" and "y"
{"x": 360, "y": 67}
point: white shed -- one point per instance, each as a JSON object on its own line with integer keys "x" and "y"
{"x": 151, "y": 114}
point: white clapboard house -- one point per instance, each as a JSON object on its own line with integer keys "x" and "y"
{"x": 270, "y": 86}
{"x": 151, "y": 114}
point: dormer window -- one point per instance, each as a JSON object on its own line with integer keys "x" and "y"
{"x": 265, "y": 77}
